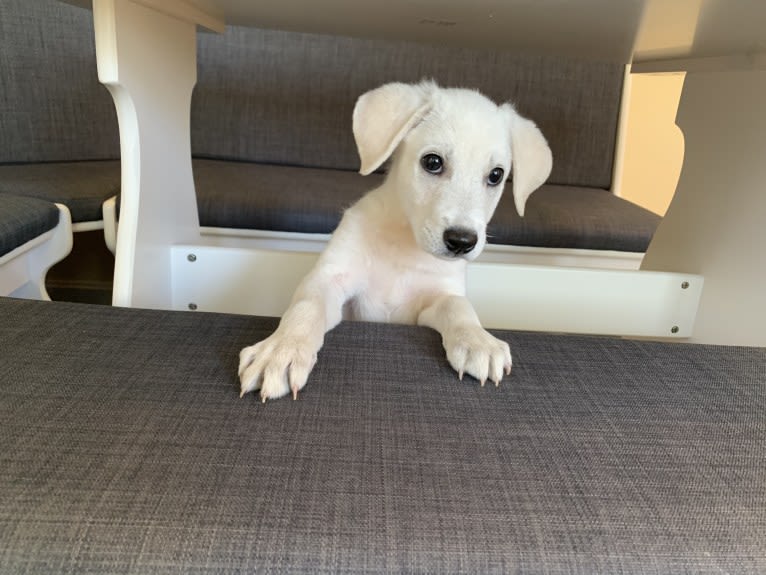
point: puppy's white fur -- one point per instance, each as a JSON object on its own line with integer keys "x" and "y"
{"x": 388, "y": 259}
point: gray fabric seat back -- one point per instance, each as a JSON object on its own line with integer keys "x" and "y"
{"x": 52, "y": 106}
{"x": 287, "y": 98}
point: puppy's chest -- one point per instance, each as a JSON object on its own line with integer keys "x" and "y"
{"x": 397, "y": 292}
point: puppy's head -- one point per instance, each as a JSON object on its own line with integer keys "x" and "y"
{"x": 452, "y": 150}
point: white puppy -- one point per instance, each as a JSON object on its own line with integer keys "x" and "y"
{"x": 400, "y": 253}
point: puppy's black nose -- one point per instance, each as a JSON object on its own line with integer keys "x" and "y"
{"x": 460, "y": 241}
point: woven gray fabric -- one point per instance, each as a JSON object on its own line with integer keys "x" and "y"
{"x": 283, "y": 198}
{"x": 52, "y": 106}
{"x": 125, "y": 449}
{"x": 81, "y": 186}
{"x": 567, "y": 217}
{"x": 285, "y": 97}
{"x": 278, "y": 198}
{"x": 24, "y": 219}
{"x": 280, "y": 97}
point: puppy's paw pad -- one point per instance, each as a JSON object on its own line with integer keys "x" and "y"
{"x": 476, "y": 352}
{"x": 277, "y": 366}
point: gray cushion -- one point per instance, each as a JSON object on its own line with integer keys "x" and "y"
{"x": 283, "y": 198}
{"x": 277, "y": 198}
{"x": 125, "y": 449}
{"x": 287, "y": 98}
{"x": 52, "y": 106}
{"x": 81, "y": 186}
{"x": 24, "y": 219}
{"x": 573, "y": 217}
{"x": 281, "y": 97}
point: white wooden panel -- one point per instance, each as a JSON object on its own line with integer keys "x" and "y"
{"x": 584, "y": 301}
{"x": 494, "y": 253}
{"x": 209, "y": 18}
{"x": 256, "y": 282}
{"x": 14, "y": 273}
{"x": 147, "y": 60}
{"x": 662, "y": 31}
{"x": 683, "y": 31}
{"x": 261, "y": 282}
{"x": 715, "y": 223}
{"x": 602, "y": 29}
{"x": 23, "y": 270}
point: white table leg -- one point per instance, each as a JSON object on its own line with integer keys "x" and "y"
{"x": 147, "y": 60}
{"x": 716, "y": 223}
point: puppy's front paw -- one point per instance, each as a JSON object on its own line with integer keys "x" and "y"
{"x": 277, "y": 366}
{"x": 475, "y": 351}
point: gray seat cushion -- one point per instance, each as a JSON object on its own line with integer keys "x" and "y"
{"x": 81, "y": 186}
{"x": 276, "y": 198}
{"x": 126, "y": 449}
{"x": 573, "y": 217}
{"x": 23, "y": 219}
{"x": 283, "y": 198}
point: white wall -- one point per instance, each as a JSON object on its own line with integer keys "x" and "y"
{"x": 654, "y": 145}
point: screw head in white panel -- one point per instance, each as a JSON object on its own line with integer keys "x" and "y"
{"x": 191, "y": 258}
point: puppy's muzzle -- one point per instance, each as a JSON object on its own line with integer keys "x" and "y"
{"x": 459, "y": 241}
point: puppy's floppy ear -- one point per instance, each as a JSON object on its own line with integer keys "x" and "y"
{"x": 382, "y": 117}
{"x": 531, "y": 157}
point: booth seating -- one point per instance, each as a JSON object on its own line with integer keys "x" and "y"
{"x": 82, "y": 186}
{"x": 125, "y": 448}
{"x": 59, "y": 139}
{"x": 271, "y": 117}
{"x": 273, "y": 104}
{"x": 34, "y": 235}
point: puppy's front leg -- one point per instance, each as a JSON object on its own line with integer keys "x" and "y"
{"x": 282, "y": 362}
{"x": 470, "y": 348}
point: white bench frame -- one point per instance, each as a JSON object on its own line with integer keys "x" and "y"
{"x": 23, "y": 270}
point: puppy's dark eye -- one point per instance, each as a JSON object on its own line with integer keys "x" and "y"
{"x": 495, "y": 176}
{"x": 432, "y": 163}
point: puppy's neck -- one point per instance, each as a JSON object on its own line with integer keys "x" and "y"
{"x": 388, "y": 210}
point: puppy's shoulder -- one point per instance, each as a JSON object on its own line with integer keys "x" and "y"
{"x": 368, "y": 209}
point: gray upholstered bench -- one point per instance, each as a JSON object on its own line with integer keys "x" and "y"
{"x": 83, "y": 187}
{"x": 126, "y": 449}
{"x": 34, "y": 235}
{"x": 251, "y": 196}
{"x": 59, "y": 139}
{"x": 274, "y": 110}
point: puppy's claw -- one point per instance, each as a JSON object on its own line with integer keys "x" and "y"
{"x": 483, "y": 381}
{"x": 460, "y": 375}
{"x": 263, "y": 399}
{"x": 295, "y": 393}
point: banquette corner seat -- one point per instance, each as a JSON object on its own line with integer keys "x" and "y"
{"x": 271, "y": 129}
